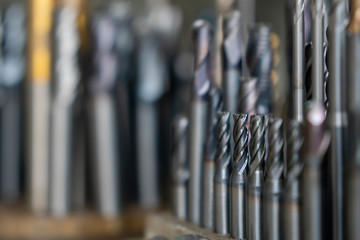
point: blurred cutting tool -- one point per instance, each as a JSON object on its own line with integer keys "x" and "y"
{"x": 298, "y": 83}
{"x": 352, "y": 171}
{"x": 39, "y": 92}
{"x": 316, "y": 143}
{"x": 238, "y": 177}
{"x": 257, "y": 149}
{"x": 208, "y": 170}
{"x": 180, "y": 170}
{"x": 12, "y": 74}
{"x": 337, "y": 118}
{"x": 222, "y": 172}
{"x": 103, "y": 115}
{"x": 202, "y": 36}
{"x": 66, "y": 79}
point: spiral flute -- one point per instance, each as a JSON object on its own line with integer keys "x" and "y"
{"x": 294, "y": 166}
{"x": 223, "y": 157}
{"x": 238, "y": 177}
{"x": 256, "y": 177}
{"x": 180, "y": 172}
{"x": 248, "y": 96}
{"x": 207, "y": 206}
{"x": 232, "y": 56}
{"x": 309, "y": 82}
{"x": 273, "y": 182}
{"x": 259, "y": 58}
{"x": 202, "y": 35}
{"x": 316, "y": 142}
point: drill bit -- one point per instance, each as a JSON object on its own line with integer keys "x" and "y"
{"x": 337, "y": 118}
{"x": 202, "y": 35}
{"x": 352, "y": 176}
{"x": 223, "y": 157}
{"x": 103, "y": 117}
{"x": 294, "y": 166}
{"x": 12, "y": 74}
{"x": 255, "y": 180}
{"x": 238, "y": 177}
{"x": 66, "y": 79}
{"x": 298, "y": 59}
{"x": 317, "y": 34}
{"x": 232, "y": 56}
{"x": 316, "y": 142}
{"x": 248, "y": 96}
{"x": 180, "y": 172}
{"x": 273, "y": 182}
{"x": 207, "y": 205}
{"x": 259, "y": 58}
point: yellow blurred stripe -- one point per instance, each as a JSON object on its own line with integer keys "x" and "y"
{"x": 39, "y": 41}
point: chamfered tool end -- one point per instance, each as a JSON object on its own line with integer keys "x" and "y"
{"x": 202, "y": 35}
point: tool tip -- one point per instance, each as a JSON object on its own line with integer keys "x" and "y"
{"x": 231, "y": 20}
{"x": 202, "y": 31}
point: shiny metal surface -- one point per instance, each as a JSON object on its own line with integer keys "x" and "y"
{"x": 274, "y": 180}
{"x": 257, "y": 150}
{"x": 180, "y": 171}
{"x": 222, "y": 169}
{"x": 316, "y": 142}
{"x": 202, "y": 36}
{"x": 298, "y": 60}
{"x": 238, "y": 177}
{"x": 337, "y": 117}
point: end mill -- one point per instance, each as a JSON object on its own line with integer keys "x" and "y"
{"x": 255, "y": 180}
{"x": 274, "y": 180}
{"x": 238, "y": 177}
{"x": 222, "y": 168}
{"x": 294, "y": 167}
{"x": 207, "y": 205}
{"x": 202, "y": 35}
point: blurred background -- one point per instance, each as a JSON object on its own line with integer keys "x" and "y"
{"x": 88, "y": 90}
